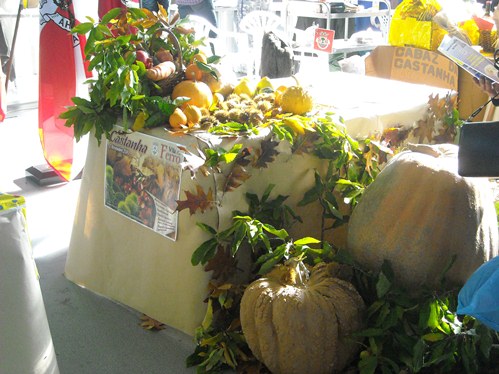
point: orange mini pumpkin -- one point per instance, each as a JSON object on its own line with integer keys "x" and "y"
{"x": 199, "y": 93}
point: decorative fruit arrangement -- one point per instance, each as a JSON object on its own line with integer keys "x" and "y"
{"x": 139, "y": 57}
{"x": 151, "y": 72}
{"x": 295, "y": 324}
{"x": 419, "y": 213}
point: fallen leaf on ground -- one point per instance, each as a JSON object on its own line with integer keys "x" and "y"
{"x": 149, "y": 323}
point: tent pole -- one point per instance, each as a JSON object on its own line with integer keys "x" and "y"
{"x": 12, "y": 48}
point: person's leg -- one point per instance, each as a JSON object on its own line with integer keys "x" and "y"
{"x": 164, "y": 3}
{"x": 184, "y": 10}
{"x": 206, "y": 10}
{"x": 152, "y": 5}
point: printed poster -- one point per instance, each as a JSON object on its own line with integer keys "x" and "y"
{"x": 143, "y": 176}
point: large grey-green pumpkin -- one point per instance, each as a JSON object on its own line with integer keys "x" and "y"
{"x": 418, "y": 213}
{"x": 302, "y": 326}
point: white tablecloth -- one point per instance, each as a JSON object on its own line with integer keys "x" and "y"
{"x": 370, "y": 104}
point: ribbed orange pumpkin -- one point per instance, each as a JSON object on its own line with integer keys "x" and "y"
{"x": 418, "y": 213}
{"x": 302, "y": 326}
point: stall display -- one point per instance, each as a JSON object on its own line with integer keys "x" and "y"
{"x": 237, "y": 133}
{"x": 260, "y": 174}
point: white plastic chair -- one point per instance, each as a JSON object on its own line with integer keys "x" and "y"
{"x": 209, "y": 33}
{"x": 383, "y": 22}
{"x": 310, "y": 60}
{"x": 255, "y": 24}
{"x": 223, "y": 43}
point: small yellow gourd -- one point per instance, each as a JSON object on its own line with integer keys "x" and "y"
{"x": 296, "y": 100}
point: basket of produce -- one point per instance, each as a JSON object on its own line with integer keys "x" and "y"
{"x": 139, "y": 57}
{"x": 169, "y": 70}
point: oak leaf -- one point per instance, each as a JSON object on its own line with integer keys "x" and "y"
{"x": 424, "y": 130}
{"x": 242, "y": 157}
{"x": 149, "y": 323}
{"x": 236, "y": 178}
{"x": 223, "y": 265}
{"x": 196, "y": 201}
{"x": 437, "y": 106}
{"x": 266, "y": 154}
{"x": 395, "y": 136}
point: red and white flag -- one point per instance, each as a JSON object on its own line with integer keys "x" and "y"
{"x": 106, "y": 5}
{"x": 61, "y": 75}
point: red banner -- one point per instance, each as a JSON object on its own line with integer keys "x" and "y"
{"x": 60, "y": 71}
{"x": 106, "y": 5}
{"x": 57, "y": 84}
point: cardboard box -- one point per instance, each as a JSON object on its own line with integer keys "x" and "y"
{"x": 413, "y": 65}
{"x": 471, "y": 97}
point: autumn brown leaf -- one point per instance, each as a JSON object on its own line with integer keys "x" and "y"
{"x": 266, "y": 154}
{"x": 223, "y": 265}
{"x": 395, "y": 136}
{"x": 236, "y": 178}
{"x": 242, "y": 157}
{"x": 424, "y": 129}
{"x": 196, "y": 201}
{"x": 151, "y": 324}
{"x": 437, "y": 106}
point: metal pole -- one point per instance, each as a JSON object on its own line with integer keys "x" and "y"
{"x": 11, "y": 58}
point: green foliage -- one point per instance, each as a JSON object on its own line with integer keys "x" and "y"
{"x": 120, "y": 89}
{"x": 418, "y": 333}
{"x": 349, "y": 171}
{"x": 220, "y": 341}
{"x": 404, "y": 333}
{"x": 231, "y": 127}
{"x": 261, "y": 232}
{"x": 215, "y": 156}
{"x": 272, "y": 211}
